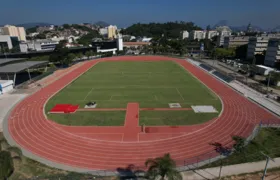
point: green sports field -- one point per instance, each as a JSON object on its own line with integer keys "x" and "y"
{"x": 153, "y": 84}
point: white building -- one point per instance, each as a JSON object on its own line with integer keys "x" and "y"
{"x": 224, "y": 31}
{"x": 103, "y": 31}
{"x": 5, "y": 41}
{"x": 256, "y": 45}
{"x": 185, "y": 34}
{"x": 235, "y": 41}
{"x": 273, "y": 52}
{"x": 18, "y": 32}
{"x": 120, "y": 43}
{"x": 38, "y": 45}
{"x": 197, "y": 35}
{"x": 211, "y": 34}
{"x": 145, "y": 39}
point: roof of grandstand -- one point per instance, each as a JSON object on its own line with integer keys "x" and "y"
{"x": 10, "y": 60}
{"x": 21, "y": 66}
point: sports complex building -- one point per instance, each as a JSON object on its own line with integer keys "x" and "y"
{"x": 109, "y": 113}
{"x": 14, "y": 71}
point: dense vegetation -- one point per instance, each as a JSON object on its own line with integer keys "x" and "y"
{"x": 87, "y": 39}
{"x": 169, "y": 29}
{"x": 6, "y": 164}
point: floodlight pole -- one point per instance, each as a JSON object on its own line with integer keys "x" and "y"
{"x": 266, "y": 164}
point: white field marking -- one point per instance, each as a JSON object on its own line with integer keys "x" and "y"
{"x": 88, "y": 93}
{"x": 180, "y": 94}
{"x": 156, "y": 98}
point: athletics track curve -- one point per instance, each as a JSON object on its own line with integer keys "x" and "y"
{"x": 73, "y": 146}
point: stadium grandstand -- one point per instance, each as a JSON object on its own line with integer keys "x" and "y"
{"x": 20, "y": 70}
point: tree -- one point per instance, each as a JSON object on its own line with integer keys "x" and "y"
{"x": 239, "y": 145}
{"x": 169, "y": 29}
{"x": 60, "y": 54}
{"x": 89, "y": 54}
{"x": 275, "y": 77}
{"x": 40, "y": 36}
{"x": 66, "y": 26}
{"x": 80, "y": 55}
{"x": 6, "y": 164}
{"x": 162, "y": 166}
{"x": 87, "y": 39}
{"x": 241, "y": 51}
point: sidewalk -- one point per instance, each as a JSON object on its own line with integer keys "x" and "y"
{"x": 212, "y": 173}
{"x": 7, "y": 101}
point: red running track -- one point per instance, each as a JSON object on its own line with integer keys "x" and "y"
{"x": 96, "y": 149}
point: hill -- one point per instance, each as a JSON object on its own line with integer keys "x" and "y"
{"x": 30, "y": 25}
{"x": 101, "y": 24}
{"x": 169, "y": 29}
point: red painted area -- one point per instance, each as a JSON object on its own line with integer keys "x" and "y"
{"x": 131, "y": 126}
{"x": 87, "y": 147}
{"x": 64, "y": 108}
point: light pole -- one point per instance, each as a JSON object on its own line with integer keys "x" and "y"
{"x": 268, "y": 81}
{"x": 266, "y": 164}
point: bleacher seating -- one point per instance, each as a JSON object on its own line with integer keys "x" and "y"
{"x": 223, "y": 76}
{"x": 207, "y": 68}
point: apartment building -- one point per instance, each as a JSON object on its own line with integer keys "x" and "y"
{"x": 235, "y": 41}
{"x": 224, "y": 31}
{"x": 14, "y": 31}
{"x": 257, "y": 45}
{"x": 112, "y": 32}
{"x": 185, "y": 34}
{"x": 197, "y": 35}
{"x": 273, "y": 52}
{"x": 211, "y": 34}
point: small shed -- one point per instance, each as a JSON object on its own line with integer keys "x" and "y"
{"x": 263, "y": 70}
{"x": 6, "y": 86}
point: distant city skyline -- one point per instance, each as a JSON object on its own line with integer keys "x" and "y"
{"x": 126, "y": 12}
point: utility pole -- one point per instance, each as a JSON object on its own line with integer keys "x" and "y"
{"x": 266, "y": 164}
{"x": 268, "y": 81}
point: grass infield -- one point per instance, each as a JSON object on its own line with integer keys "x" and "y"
{"x": 153, "y": 84}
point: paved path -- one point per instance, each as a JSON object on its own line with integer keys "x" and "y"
{"x": 212, "y": 173}
{"x": 7, "y": 101}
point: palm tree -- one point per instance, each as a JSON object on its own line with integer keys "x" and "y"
{"x": 162, "y": 166}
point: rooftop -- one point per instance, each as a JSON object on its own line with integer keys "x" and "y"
{"x": 21, "y": 66}
{"x": 10, "y": 60}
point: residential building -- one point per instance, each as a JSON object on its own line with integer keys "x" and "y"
{"x": 5, "y": 42}
{"x": 224, "y": 31}
{"x": 14, "y": 31}
{"x": 197, "y": 35}
{"x": 273, "y": 52}
{"x": 145, "y": 39}
{"x": 185, "y": 34}
{"x": 103, "y": 31}
{"x": 112, "y": 32}
{"x": 235, "y": 41}
{"x": 257, "y": 45}
{"x": 210, "y": 34}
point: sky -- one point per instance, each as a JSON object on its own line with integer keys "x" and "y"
{"x": 263, "y": 13}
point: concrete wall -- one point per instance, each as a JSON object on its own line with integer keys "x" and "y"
{"x": 6, "y": 39}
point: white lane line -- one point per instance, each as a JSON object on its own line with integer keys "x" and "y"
{"x": 180, "y": 94}
{"x": 88, "y": 93}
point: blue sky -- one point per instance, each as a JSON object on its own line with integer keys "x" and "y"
{"x": 264, "y": 13}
